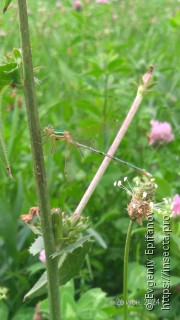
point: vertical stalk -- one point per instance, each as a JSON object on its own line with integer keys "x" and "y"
{"x": 125, "y": 273}
{"x": 105, "y": 107}
{"x": 38, "y": 161}
{"x": 105, "y": 96}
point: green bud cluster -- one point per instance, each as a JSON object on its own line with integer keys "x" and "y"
{"x": 67, "y": 228}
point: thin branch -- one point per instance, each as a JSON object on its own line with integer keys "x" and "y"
{"x": 142, "y": 89}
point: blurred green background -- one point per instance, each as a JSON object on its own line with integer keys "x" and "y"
{"x": 91, "y": 59}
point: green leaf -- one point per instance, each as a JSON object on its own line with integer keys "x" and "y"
{"x": 24, "y": 314}
{"x": 164, "y": 188}
{"x": 98, "y": 237}
{"x": 10, "y": 70}
{"x": 71, "y": 247}
{"x": 69, "y": 266}
{"x": 39, "y": 288}
{"x": 173, "y": 281}
{"x": 138, "y": 282}
{"x": 93, "y": 302}
{"x": 94, "y": 72}
{"x": 69, "y": 309}
{"x": 9, "y": 75}
{"x": 36, "y": 267}
{"x": 17, "y": 55}
{"x": 5, "y": 78}
{"x": 95, "y": 298}
{"x": 68, "y": 306}
{"x": 115, "y": 65}
{"x": 175, "y": 21}
{"x": 6, "y": 5}
{"x": 37, "y": 246}
{"x": 3, "y": 311}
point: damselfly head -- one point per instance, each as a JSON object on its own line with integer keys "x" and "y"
{"x": 48, "y": 129}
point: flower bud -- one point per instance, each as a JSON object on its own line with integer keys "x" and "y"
{"x": 147, "y": 77}
{"x": 57, "y": 225}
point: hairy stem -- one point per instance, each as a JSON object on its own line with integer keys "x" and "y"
{"x": 38, "y": 161}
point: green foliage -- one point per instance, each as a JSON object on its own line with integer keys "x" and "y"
{"x": 175, "y": 20}
{"x": 24, "y": 314}
{"x": 10, "y": 70}
{"x": 6, "y": 5}
{"x": 92, "y": 305}
{"x": 36, "y": 246}
{"x": 70, "y": 262}
{"x": 3, "y": 311}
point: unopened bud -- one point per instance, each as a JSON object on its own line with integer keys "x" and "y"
{"x": 57, "y": 224}
{"x": 147, "y": 77}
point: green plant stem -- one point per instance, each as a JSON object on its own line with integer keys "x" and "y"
{"x": 105, "y": 107}
{"x": 125, "y": 275}
{"x": 38, "y": 161}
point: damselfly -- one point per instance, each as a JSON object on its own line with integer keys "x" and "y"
{"x": 65, "y": 135}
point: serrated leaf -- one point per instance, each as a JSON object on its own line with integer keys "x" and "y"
{"x": 37, "y": 246}
{"x": 6, "y": 5}
{"x": 71, "y": 247}
{"x": 69, "y": 266}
